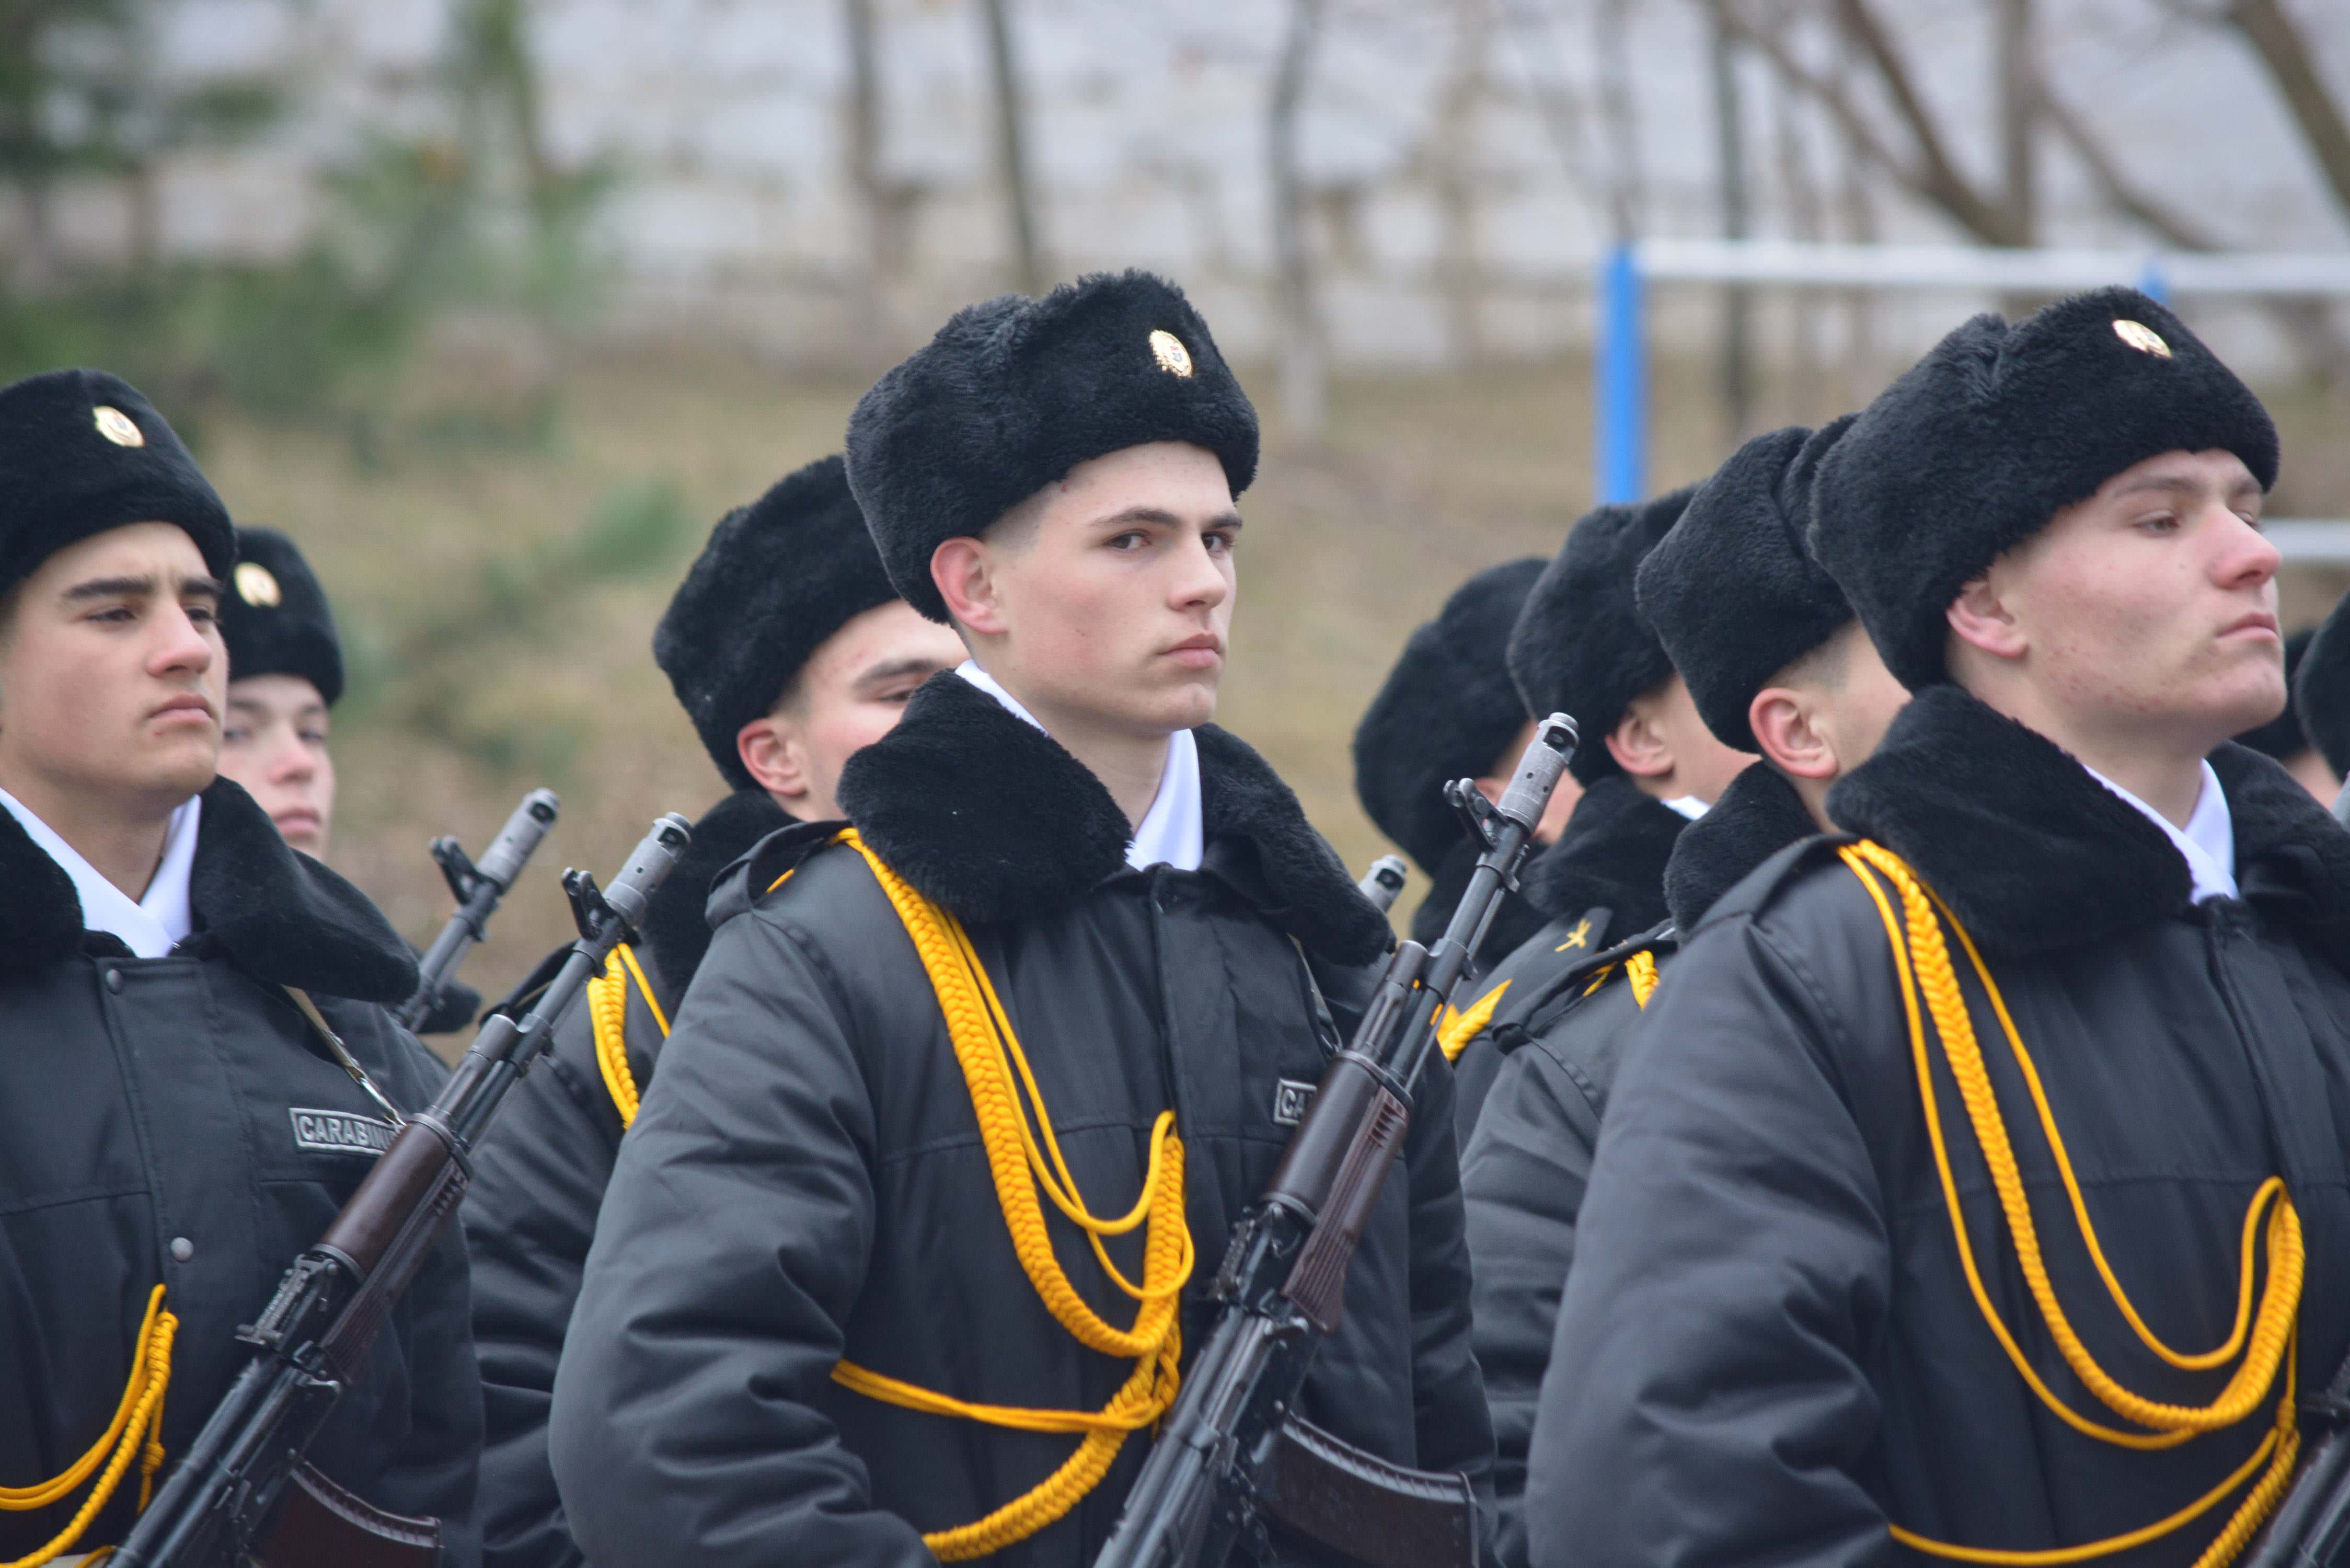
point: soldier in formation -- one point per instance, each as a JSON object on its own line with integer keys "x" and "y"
{"x": 843, "y": 1305}
{"x": 1450, "y": 711}
{"x": 1977, "y": 1186}
{"x": 1648, "y": 764}
{"x": 1793, "y": 680}
{"x": 1975, "y": 1073}
{"x": 196, "y": 1067}
{"x": 790, "y": 652}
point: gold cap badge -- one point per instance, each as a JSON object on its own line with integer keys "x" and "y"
{"x": 116, "y": 426}
{"x": 1169, "y": 350}
{"x": 2142, "y": 337}
{"x": 257, "y": 587}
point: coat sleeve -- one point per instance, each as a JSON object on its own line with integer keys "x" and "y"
{"x": 1706, "y": 1402}
{"x": 1453, "y": 1430}
{"x": 1523, "y": 1181}
{"x": 436, "y": 1469}
{"x": 688, "y": 1426}
{"x": 538, "y": 1182}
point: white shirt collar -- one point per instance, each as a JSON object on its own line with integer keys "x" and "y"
{"x": 1689, "y": 806}
{"x": 152, "y": 925}
{"x": 2209, "y": 841}
{"x": 1172, "y": 831}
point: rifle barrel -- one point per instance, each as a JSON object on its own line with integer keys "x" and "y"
{"x": 491, "y": 878}
{"x": 1284, "y": 1274}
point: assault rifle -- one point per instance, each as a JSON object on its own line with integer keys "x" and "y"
{"x": 1231, "y": 1453}
{"x": 478, "y": 888}
{"x": 1383, "y": 883}
{"x": 2311, "y": 1526}
{"x": 314, "y": 1334}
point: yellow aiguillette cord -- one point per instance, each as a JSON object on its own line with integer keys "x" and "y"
{"x": 136, "y": 1430}
{"x": 1022, "y": 1162}
{"x": 1922, "y": 961}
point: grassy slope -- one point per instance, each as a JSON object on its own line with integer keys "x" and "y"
{"x": 1351, "y": 542}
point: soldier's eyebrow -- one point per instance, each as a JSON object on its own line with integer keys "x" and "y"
{"x": 135, "y": 586}
{"x": 1228, "y": 518}
{"x": 123, "y": 587}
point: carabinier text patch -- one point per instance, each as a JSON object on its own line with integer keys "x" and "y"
{"x": 1290, "y": 1099}
{"x": 339, "y": 1132}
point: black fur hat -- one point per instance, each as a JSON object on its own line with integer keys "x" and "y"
{"x": 275, "y": 616}
{"x": 80, "y": 452}
{"x": 777, "y": 578}
{"x": 1446, "y": 712}
{"x": 1732, "y": 591}
{"x": 1977, "y": 446}
{"x": 2321, "y": 690}
{"x": 1580, "y": 647}
{"x": 2284, "y": 735}
{"x": 1014, "y": 393}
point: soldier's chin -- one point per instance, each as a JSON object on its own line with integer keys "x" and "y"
{"x": 182, "y": 767}
{"x": 1190, "y": 703}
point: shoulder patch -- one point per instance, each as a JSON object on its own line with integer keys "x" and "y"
{"x": 1762, "y": 887}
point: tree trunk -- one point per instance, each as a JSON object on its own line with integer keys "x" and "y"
{"x": 1011, "y": 147}
{"x": 1737, "y": 299}
{"x": 1454, "y": 166}
{"x": 861, "y": 148}
{"x": 1304, "y": 371}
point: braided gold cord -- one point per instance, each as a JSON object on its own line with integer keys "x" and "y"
{"x": 1923, "y": 963}
{"x": 1460, "y": 1028}
{"x": 1020, "y": 1162}
{"x": 1640, "y": 969}
{"x": 135, "y": 1432}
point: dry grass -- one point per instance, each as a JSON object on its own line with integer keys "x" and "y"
{"x": 1352, "y": 541}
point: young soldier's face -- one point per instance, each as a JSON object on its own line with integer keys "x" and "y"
{"x": 275, "y": 745}
{"x": 2150, "y": 606}
{"x": 851, "y": 691}
{"x": 112, "y": 672}
{"x": 1109, "y": 595}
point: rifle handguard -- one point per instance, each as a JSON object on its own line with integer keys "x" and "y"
{"x": 1364, "y": 1109}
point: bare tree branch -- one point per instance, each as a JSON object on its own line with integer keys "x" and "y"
{"x": 1940, "y": 181}
{"x": 2277, "y": 38}
{"x": 2308, "y": 327}
{"x": 2115, "y": 185}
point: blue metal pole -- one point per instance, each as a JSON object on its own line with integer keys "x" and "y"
{"x": 2151, "y": 282}
{"x": 1622, "y": 377}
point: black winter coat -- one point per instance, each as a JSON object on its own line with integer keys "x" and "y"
{"x": 147, "y": 1103}
{"x": 1767, "y": 1349}
{"x": 1603, "y": 881}
{"x": 806, "y": 1180}
{"x": 538, "y": 1183}
{"x": 1522, "y": 1176}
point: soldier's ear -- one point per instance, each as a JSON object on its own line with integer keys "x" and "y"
{"x": 964, "y": 570}
{"x": 773, "y": 755}
{"x": 1787, "y": 728}
{"x": 1638, "y": 743}
{"x": 1981, "y": 616}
